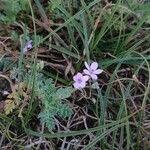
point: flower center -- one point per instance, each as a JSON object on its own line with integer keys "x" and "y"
{"x": 91, "y": 70}
{"x": 79, "y": 80}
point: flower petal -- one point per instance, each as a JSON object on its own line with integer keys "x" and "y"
{"x": 94, "y": 66}
{"x": 83, "y": 84}
{"x": 98, "y": 71}
{"x": 86, "y": 72}
{"x": 77, "y": 76}
{"x": 94, "y": 77}
{"x": 30, "y": 41}
{"x": 85, "y": 78}
{"x": 76, "y": 85}
{"x": 25, "y": 49}
{"x": 29, "y": 44}
{"x": 86, "y": 65}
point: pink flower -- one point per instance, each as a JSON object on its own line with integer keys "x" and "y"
{"x": 80, "y": 81}
{"x": 92, "y": 70}
{"x": 27, "y": 46}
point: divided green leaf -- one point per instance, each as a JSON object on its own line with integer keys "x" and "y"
{"x": 53, "y": 100}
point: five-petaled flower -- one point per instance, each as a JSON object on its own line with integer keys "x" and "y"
{"x": 92, "y": 70}
{"x": 27, "y": 46}
{"x": 80, "y": 81}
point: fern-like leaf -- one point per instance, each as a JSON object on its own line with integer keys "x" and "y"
{"x": 52, "y": 101}
{"x": 63, "y": 93}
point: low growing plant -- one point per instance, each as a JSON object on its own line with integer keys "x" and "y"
{"x": 53, "y": 100}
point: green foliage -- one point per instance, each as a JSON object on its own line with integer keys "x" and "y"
{"x": 6, "y": 64}
{"x": 38, "y": 39}
{"x": 55, "y": 4}
{"x": 52, "y": 100}
{"x": 144, "y": 10}
{"x": 11, "y": 9}
{"x": 46, "y": 117}
{"x": 118, "y": 24}
{"x": 14, "y": 36}
{"x": 63, "y": 93}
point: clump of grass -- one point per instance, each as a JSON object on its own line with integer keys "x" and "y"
{"x": 110, "y": 114}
